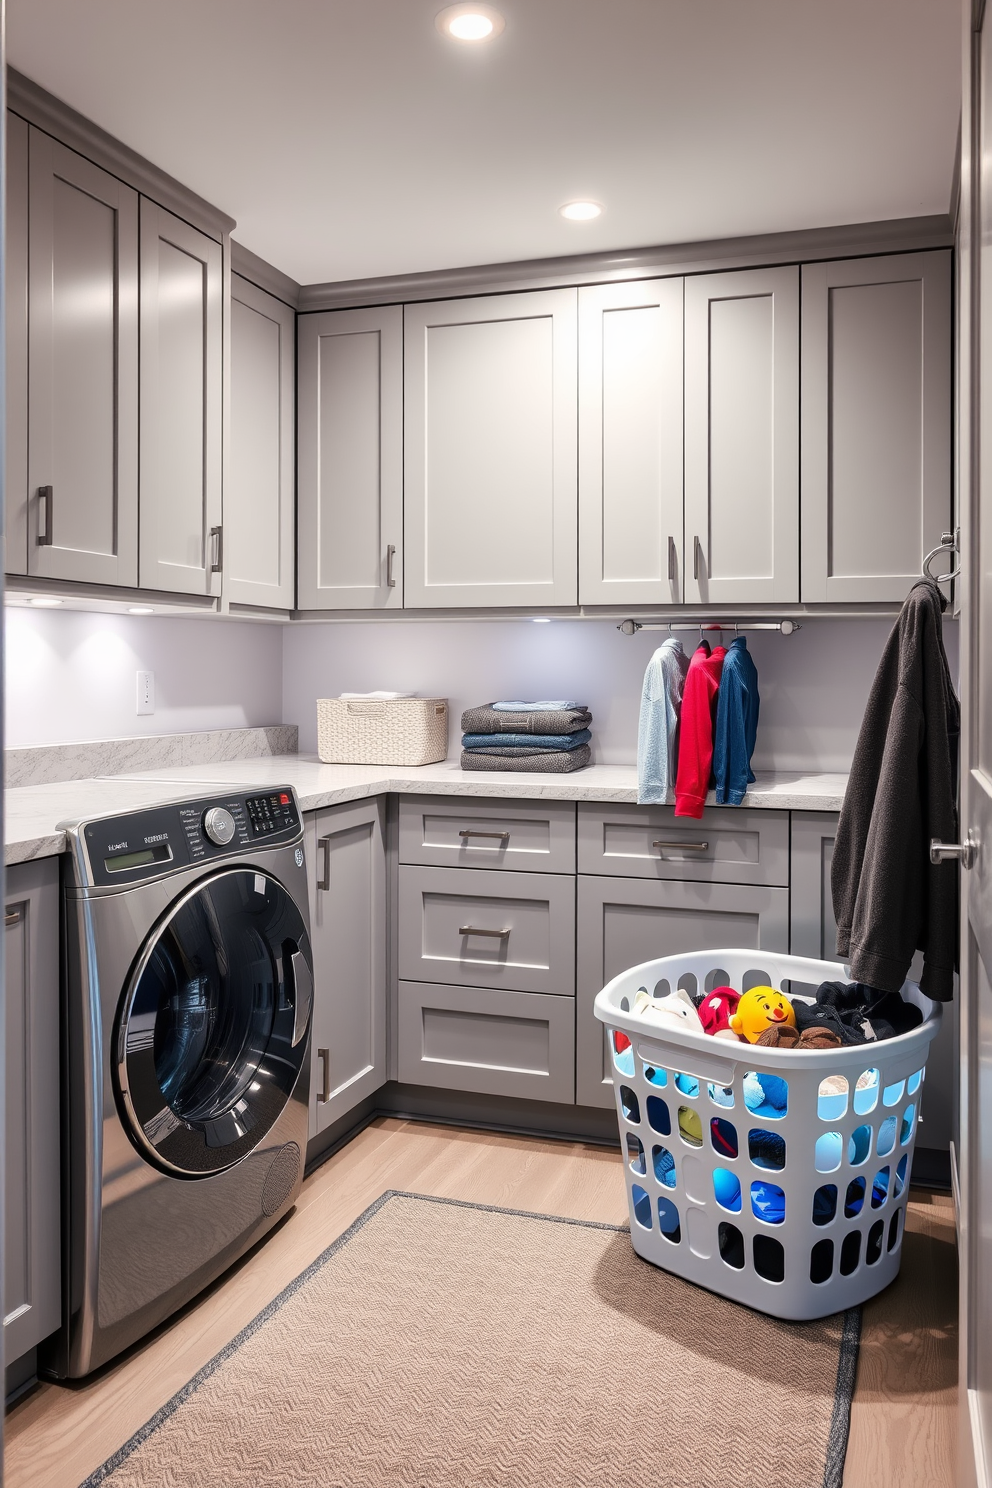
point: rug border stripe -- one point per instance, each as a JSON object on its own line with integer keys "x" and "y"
{"x": 840, "y": 1420}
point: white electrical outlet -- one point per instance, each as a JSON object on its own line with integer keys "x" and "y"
{"x": 146, "y": 692}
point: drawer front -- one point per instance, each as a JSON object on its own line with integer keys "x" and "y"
{"x": 487, "y": 929}
{"x": 622, "y": 924}
{"x": 462, "y": 833}
{"x": 729, "y": 845}
{"x": 490, "y": 1043}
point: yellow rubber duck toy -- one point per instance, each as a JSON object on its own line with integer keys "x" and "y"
{"x": 759, "y": 1009}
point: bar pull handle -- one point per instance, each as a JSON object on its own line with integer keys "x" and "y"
{"x": 324, "y": 1095}
{"x": 11, "y": 918}
{"x": 324, "y": 881}
{"x": 478, "y": 930}
{"x": 478, "y": 832}
{"x": 302, "y": 994}
{"x": 697, "y": 549}
{"x": 45, "y": 494}
{"x": 966, "y": 852}
{"x": 687, "y": 846}
{"x": 672, "y": 561}
{"x": 217, "y": 539}
{"x": 390, "y": 556}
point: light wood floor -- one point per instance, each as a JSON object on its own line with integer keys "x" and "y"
{"x": 903, "y": 1422}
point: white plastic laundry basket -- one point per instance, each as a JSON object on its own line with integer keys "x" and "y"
{"x": 847, "y": 1155}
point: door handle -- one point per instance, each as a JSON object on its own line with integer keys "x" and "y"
{"x": 324, "y": 881}
{"x": 672, "y": 561}
{"x": 697, "y": 549}
{"x": 966, "y": 852}
{"x": 45, "y": 495}
{"x": 302, "y": 994}
{"x": 324, "y": 1055}
{"x": 390, "y": 555}
{"x": 217, "y": 539}
{"x": 688, "y": 846}
{"x": 477, "y": 832}
{"x": 478, "y": 930}
{"x": 11, "y": 917}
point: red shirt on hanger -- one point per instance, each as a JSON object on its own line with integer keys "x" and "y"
{"x": 695, "y": 766}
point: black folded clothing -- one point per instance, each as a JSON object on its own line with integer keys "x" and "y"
{"x": 857, "y": 1013}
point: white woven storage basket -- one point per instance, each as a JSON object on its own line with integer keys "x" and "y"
{"x": 375, "y": 731}
{"x": 831, "y": 1237}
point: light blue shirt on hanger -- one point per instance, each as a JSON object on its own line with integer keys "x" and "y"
{"x": 657, "y": 733}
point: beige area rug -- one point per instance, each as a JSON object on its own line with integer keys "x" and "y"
{"x": 439, "y": 1344}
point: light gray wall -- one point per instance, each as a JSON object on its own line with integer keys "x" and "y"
{"x": 71, "y": 676}
{"x": 813, "y": 684}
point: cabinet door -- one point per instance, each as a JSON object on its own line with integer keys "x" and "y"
{"x": 630, "y": 443}
{"x": 742, "y": 436}
{"x": 490, "y": 451}
{"x": 876, "y": 423}
{"x": 351, "y": 459}
{"x": 32, "y": 1252}
{"x": 346, "y": 862}
{"x": 16, "y": 293}
{"x": 181, "y": 398}
{"x": 259, "y": 490}
{"x": 623, "y": 922}
{"x": 82, "y": 369}
{"x": 812, "y": 931}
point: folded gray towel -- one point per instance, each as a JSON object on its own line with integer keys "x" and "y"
{"x": 542, "y": 762}
{"x": 486, "y": 720}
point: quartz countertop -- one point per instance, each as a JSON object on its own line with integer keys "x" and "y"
{"x": 34, "y": 813}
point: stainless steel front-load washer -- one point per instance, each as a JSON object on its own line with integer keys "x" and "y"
{"x": 188, "y": 994}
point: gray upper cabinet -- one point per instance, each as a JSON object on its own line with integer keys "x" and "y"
{"x": 79, "y": 506}
{"x": 259, "y": 488}
{"x": 181, "y": 405}
{"x": 876, "y": 423}
{"x": 490, "y": 451}
{"x": 351, "y": 459}
{"x": 16, "y": 292}
{"x": 742, "y": 436}
{"x": 630, "y": 443}
{"x": 32, "y": 1231}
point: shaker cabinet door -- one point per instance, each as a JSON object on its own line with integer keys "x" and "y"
{"x": 742, "y": 436}
{"x": 630, "y": 443}
{"x": 876, "y": 423}
{"x": 82, "y": 330}
{"x": 490, "y": 451}
{"x": 16, "y": 304}
{"x": 181, "y": 399}
{"x": 351, "y": 459}
{"x": 259, "y": 490}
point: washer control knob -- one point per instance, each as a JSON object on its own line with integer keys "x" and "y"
{"x": 218, "y": 823}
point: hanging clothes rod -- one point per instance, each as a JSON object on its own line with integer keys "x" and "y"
{"x": 784, "y": 627}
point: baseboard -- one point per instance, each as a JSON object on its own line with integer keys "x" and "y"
{"x": 20, "y": 1376}
{"x": 932, "y": 1169}
{"x": 546, "y": 1119}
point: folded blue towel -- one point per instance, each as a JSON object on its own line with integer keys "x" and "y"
{"x": 554, "y": 706}
{"x": 528, "y": 741}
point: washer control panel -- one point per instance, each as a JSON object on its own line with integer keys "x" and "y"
{"x": 140, "y": 845}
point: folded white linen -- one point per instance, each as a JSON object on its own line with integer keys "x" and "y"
{"x": 555, "y": 706}
{"x": 378, "y": 697}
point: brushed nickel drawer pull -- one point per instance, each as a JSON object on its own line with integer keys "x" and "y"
{"x": 324, "y": 881}
{"x": 477, "y": 832}
{"x": 12, "y": 917}
{"x": 478, "y": 930}
{"x": 324, "y": 1055}
{"x": 390, "y": 556}
{"x": 687, "y": 846}
{"x": 672, "y": 561}
{"x": 45, "y": 495}
{"x": 697, "y": 548}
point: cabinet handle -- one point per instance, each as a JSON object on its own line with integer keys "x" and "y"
{"x": 324, "y": 1055}
{"x": 390, "y": 555}
{"x": 697, "y": 548}
{"x": 324, "y": 881}
{"x": 672, "y": 561}
{"x": 965, "y": 852}
{"x": 477, "y": 930}
{"x": 45, "y": 494}
{"x": 688, "y": 846}
{"x": 217, "y": 539}
{"x": 12, "y": 917}
{"x": 477, "y": 832}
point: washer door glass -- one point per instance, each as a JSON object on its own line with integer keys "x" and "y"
{"x": 212, "y": 1031}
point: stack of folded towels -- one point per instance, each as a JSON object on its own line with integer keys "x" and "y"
{"x": 551, "y": 736}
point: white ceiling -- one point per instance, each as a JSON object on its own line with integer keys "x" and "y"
{"x": 352, "y": 139}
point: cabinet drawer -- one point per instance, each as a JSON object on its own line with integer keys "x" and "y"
{"x": 459, "y": 833}
{"x": 491, "y": 1043}
{"x": 622, "y": 924}
{"x": 728, "y": 846}
{"x": 487, "y": 929}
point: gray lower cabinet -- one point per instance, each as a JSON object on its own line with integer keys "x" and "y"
{"x": 812, "y": 928}
{"x": 727, "y": 846}
{"x": 260, "y": 483}
{"x": 346, "y": 865}
{"x": 623, "y": 922}
{"x": 32, "y": 1231}
{"x": 487, "y": 929}
{"x": 533, "y": 837}
{"x": 489, "y": 1043}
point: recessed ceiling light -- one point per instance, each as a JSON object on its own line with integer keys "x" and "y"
{"x": 469, "y": 22}
{"x": 140, "y": 610}
{"x": 581, "y": 211}
{"x": 45, "y": 601}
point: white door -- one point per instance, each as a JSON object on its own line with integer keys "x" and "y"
{"x": 351, "y": 459}
{"x": 260, "y": 485}
{"x": 630, "y": 443}
{"x": 490, "y": 451}
{"x": 876, "y": 423}
{"x": 181, "y": 543}
{"x": 742, "y": 436}
{"x": 82, "y": 369}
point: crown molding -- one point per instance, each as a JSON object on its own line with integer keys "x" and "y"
{"x": 264, "y": 275}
